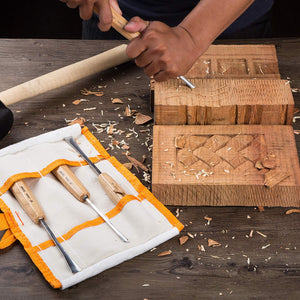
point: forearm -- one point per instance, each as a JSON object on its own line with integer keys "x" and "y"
{"x": 210, "y": 18}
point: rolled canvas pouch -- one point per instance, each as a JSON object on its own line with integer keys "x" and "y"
{"x": 83, "y": 234}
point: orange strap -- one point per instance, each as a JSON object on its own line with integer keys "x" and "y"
{"x": 8, "y": 238}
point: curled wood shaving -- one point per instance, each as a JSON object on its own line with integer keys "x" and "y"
{"x": 212, "y": 243}
{"x": 183, "y": 239}
{"x": 78, "y": 120}
{"x": 164, "y": 253}
{"x": 88, "y": 92}
{"x": 78, "y": 101}
{"x": 137, "y": 164}
{"x": 117, "y": 100}
{"x": 142, "y": 119}
{"x": 290, "y": 211}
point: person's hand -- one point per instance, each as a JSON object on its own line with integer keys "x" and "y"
{"x": 164, "y": 52}
{"x": 101, "y": 7}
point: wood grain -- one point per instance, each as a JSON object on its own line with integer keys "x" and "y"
{"x": 223, "y": 102}
{"x": 220, "y": 170}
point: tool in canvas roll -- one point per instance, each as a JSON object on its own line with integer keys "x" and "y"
{"x": 65, "y": 175}
{"x": 118, "y": 24}
{"x": 31, "y": 206}
{"x": 56, "y": 79}
{"x": 111, "y": 187}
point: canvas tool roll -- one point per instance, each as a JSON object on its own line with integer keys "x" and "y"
{"x": 82, "y": 233}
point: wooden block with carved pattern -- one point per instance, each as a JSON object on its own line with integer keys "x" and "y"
{"x": 223, "y": 102}
{"x": 239, "y": 165}
{"x": 236, "y": 61}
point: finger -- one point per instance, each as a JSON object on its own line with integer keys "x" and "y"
{"x": 143, "y": 59}
{"x": 136, "y": 47}
{"x": 161, "y": 76}
{"x": 86, "y": 10}
{"x": 151, "y": 69}
{"x": 114, "y": 4}
{"x": 72, "y": 4}
{"x": 105, "y": 15}
{"x": 136, "y": 24}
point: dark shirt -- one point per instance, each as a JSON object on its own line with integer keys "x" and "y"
{"x": 172, "y": 12}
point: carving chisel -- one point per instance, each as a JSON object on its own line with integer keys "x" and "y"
{"x": 31, "y": 206}
{"x": 65, "y": 175}
{"x": 112, "y": 189}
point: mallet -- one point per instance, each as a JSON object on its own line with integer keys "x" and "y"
{"x": 56, "y": 79}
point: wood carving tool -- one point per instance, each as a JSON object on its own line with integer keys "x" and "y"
{"x": 31, "y": 206}
{"x": 111, "y": 187}
{"x": 118, "y": 24}
{"x": 72, "y": 183}
{"x": 56, "y": 79}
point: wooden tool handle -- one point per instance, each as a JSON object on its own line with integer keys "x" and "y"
{"x": 27, "y": 200}
{"x": 66, "y": 75}
{"x": 118, "y": 24}
{"x": 65, "y": 175}
{"x": 112, "y": 189}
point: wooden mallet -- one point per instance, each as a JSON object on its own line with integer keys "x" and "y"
{"x": 56, "y": 79}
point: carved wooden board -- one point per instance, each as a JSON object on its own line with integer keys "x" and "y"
{"x": 239, "y": 165}
{"x": 224, "y": 101}
{"x": 236, "y": 61}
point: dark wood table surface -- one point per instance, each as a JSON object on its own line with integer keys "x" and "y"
{"x": 259, "y": 267}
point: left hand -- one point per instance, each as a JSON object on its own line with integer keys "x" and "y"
{"x": 164, "y": 52}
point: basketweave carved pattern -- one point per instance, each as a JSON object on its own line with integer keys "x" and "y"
{"x": 224, "y": 154}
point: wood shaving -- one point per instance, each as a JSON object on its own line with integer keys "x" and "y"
{"x": 260, "y": 233}
{"x": 183, "y": 239}
{"x": 137, "y": 164}
{"x": 165, "y": 253}
{"x": 142, "y": 119}
{"x": 208, "y": 218}
{"x": 201, "y": 248}
{"x": 78, "y": 101}
{"x": 88, "y": 92}
{"x": 266, "y": 246}
{"x": 78, "y": 120}
{"x": 117, "y": 100}
{"x": 90, "y": 108}
{"x": 110, "y": 129}
{"x": 259, "y": 165}
{"x": 261, "y": 208}
{"x": 290, "y": 211}
{"x": 190, "y": 235}
{"x": 125, "y": 147}
{"x": 128, "y": 166}
{"x": 177, "y": 213}
{"x": 296, "y": 110}
{"x": 212, "y": 243}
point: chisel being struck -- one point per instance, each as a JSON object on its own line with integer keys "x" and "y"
{"x": 72, "y": 183}
{"x": 31, "y": 206}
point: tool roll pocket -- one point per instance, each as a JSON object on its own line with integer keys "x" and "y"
{"x": 84, "y": 235}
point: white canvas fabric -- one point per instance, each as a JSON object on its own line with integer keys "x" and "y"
{"x": 94, "y": 248}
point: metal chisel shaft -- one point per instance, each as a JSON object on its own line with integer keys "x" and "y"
{"x": 31, "y": 206}
{"x": 72, "y": 183}
{"x": 111, "y": 187}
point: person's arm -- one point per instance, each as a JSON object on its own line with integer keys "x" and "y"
{"x": 101, "y": 7}
{"x": 166, "y": 52}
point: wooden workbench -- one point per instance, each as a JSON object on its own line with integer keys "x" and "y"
{"x": 259, "y": 267}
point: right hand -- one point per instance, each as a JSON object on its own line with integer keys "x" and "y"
{"x": 101, "y": 7}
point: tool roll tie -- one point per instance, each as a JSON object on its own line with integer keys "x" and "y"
{"x": 84, "y": 235}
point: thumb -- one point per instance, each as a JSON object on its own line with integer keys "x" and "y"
{"x": 136, "y": 24}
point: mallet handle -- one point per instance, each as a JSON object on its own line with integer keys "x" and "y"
{"x": 65, "y": 75}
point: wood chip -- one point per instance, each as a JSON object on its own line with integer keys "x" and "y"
{"x": 164, "y": 253}
{"x": 183, "y": 239}
{"x": 79, "y": 120}
{"x": 290, "y": 211}
{"x": 117, "y": 100}
{"x": 88, "y": 92}
{"x": 274, "y": 177}
{"x": 259, "y": 165}
{"x": 212, "y": 243}
{"x": 180, "y": 141}
{"x": 137, "y": 164}
{"x": 260, "y": 208}
{"x": 208, "y": 218}
{"x": 142, "y": 119}
{"x": 128, "y": 166}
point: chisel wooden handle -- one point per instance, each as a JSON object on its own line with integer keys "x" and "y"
{"x": 111, "y": 187}
{"x": 66, "y": 176}
{"x": 27, "y": 200}
{"x": 118, "y": 24}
